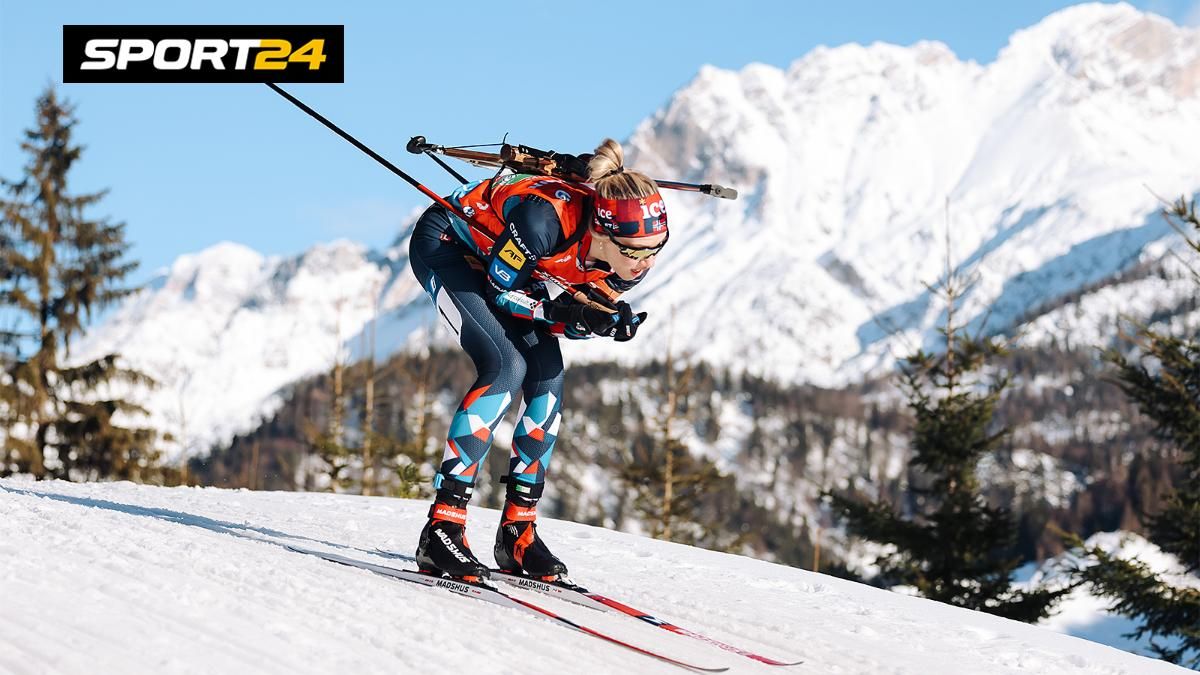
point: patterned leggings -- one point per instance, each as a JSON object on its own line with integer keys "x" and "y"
{"x": 511, "y": 355}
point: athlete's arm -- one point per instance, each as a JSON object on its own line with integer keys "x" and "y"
{"x": 533, "y": 231}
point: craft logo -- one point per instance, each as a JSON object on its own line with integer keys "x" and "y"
{"x": 186, "y": 54}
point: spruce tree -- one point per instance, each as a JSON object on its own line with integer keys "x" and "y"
{"x": 337, "y": 457}
{"x": 1163, "y": 380}
{"x": 404, "y": 455}
{"x": 60, "y": 419}
{"x": 949, "y": 543}
{"x": 668, "y": 481}
{"x": 380, "y": 464}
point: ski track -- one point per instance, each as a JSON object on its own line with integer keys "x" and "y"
{"x": 123, "y": 578}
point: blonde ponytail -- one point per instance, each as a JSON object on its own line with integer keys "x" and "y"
{"x": 606, "y": 170}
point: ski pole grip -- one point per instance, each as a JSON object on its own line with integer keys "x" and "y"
{"x": 417, "y": 145}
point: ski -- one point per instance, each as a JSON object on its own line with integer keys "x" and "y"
{"x": 581, "y": 596}
{"x": 488, "y": 593}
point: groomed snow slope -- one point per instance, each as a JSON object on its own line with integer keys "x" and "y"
{"x": 121, "y": 578}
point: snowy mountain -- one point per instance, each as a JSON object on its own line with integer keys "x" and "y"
{"x": 115, "y": 577}
{"x": 223, "y": 330}
{"x": 857, "y": 157}
{"x": 850, "y": 163}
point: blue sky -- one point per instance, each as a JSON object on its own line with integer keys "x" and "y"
{"x": 192, "y": 165}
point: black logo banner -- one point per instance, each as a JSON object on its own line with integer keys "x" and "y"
{"x": 204, "y": 54}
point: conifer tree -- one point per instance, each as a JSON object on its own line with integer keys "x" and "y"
{"x": 61, "y": 419}
{"x": 332, "y": 457}
{"x": 337, "y": 457}
{"x": 669, "y": 481}
{"x": 1163, "y": 379}
{"x": 404, "y": 455}
{"x": 949, "y": 543}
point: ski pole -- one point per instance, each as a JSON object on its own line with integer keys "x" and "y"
{"x": 603, "y": 304}
{"x": 361, "y": 146}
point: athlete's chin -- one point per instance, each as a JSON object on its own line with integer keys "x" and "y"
{"x": 627, "y": 274}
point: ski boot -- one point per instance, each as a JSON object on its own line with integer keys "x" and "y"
{"x": 519, "y": 550}
{"x": 443, "y": 548}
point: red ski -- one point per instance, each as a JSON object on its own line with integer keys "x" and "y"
{"x": 488, "y": 593}
{"x": 581, "y": 596}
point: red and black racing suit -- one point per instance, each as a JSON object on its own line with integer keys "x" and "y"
{"x": 501, "y": 315}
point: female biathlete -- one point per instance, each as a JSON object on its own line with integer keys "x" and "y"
{"x": 481, "y": 278}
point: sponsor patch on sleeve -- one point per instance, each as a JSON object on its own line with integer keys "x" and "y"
{"x": 503, "y": 274}
{"x": 512, "y": 255}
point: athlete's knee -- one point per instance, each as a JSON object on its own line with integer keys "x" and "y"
{"x": 505, "y": 366}
{"x": 544, "y": 371}
{"x": 553, "y": 383}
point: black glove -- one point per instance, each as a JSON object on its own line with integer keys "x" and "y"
{"x": 573, "y": 167}
{"x": 621, "y": 326}
{"x": 627, "y": 323}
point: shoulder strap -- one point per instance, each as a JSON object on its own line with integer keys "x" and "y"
{"x": 580, "y": 227}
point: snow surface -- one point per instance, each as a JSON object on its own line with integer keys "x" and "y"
{"x": 849, "y": 163}
{"x": 123, "y": 578}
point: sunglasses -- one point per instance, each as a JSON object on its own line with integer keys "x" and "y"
{"x": 639, "y": 253}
